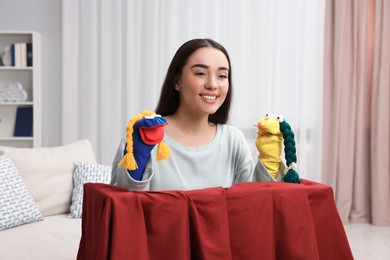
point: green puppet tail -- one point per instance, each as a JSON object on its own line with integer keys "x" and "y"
{"x": 291, "y": 177}
{"x": 290, "y": 153}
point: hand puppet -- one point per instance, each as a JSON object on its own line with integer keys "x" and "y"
{"x": 271, "y": 132}
{"x": 143, "y": 132}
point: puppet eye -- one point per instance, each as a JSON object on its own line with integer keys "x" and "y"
{"x": 150, "y": 116}
{"x": 280, "y": 118}
{"x": 269, "y": 115}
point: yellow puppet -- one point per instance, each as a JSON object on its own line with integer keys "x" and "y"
{"x": 272, "y": 133}
{"x": 269, "y": 143}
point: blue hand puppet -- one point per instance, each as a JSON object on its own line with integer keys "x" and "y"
{"x": 143, "y": 132}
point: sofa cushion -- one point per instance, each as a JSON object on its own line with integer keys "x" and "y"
{"x": 16, "y": 204}
{"x": 48, "y": 172}
{"x": 57, "y": 237}
{"x": 86, "y": 172}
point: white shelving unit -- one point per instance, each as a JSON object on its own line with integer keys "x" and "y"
{"x": 30, "y": 78}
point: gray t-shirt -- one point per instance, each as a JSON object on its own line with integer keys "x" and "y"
{"x": 223, "y": 162}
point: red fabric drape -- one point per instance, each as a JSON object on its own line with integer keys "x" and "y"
{"x": 247, "y": 221}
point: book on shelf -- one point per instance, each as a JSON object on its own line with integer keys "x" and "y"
{"x": 23, "y": 54}
{"x": 29, "y": 50}
{"x": 13, "y": 53}
{"x": 24, "y": 121}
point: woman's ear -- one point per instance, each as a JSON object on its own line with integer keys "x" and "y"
{"x": 177, "y": 84}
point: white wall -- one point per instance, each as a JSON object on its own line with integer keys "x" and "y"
{"x": 43, "y": 16}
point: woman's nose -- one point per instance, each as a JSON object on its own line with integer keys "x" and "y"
{"x": 211, "y": 83}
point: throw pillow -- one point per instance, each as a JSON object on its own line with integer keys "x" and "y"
{"x": 86, "y": 172}
{"x": 48, "y": 172}
{"x": 16, "y": 204}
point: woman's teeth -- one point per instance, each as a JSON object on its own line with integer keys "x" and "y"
{"x": 209, "y": 97}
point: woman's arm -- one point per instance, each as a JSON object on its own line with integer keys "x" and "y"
{"x": 261, "y": 173}
{"x": 123, "y": 179}
{"x": 244, "y": 161}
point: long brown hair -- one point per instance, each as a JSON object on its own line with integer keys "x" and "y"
{"x": 170, "y": 98}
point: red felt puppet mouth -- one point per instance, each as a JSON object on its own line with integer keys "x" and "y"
{"x": 152, "y": 135}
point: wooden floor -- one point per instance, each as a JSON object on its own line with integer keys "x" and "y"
{"x": 369, "y": 242}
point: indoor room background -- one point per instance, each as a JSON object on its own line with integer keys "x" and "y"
{"x": 324, "y": 65}
{"x": 105, "y": 61}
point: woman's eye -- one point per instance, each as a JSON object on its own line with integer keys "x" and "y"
{"x": 200, "y": 73}
{"x": 223, "y": 76}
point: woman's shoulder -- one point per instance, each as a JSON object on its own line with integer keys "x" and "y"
{"x": 235, "y": 139}
{"x": 231, "y": 131}
{"x": 228, "y": 127}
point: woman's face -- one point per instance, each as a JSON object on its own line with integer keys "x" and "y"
{"x": 204, "y": 81}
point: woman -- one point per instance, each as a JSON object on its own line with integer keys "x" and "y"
{"x": 195, "y": 100}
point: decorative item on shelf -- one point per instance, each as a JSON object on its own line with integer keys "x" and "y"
{"x": 13, "y": 92}
{"x": 6, "y": 56}
{"x": 7, "y": 120}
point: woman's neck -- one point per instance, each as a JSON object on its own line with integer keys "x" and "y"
{"x": 190, "y": 130}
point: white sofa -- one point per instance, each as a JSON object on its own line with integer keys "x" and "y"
{"x": 50, "y": 227}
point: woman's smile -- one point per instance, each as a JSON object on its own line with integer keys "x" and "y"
{"x": 211, "y": 99}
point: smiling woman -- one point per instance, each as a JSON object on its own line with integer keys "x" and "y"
{"x": 200, "y": 61}
{"x": 195, "y": 100}
{"x": 204, "y": 151}
{"x": 199, "y": 85}
{"x": 203, "y": 85}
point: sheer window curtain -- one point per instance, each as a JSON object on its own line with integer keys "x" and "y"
{"x": 116, "y": 53}
{"x": 356, "y": 109}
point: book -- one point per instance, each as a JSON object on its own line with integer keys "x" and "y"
{"x": 17, "y": 54}
{"x": 23, "y": 54}
{"x": 12, "y": 54}
{"x": 24, "y": 121}
{"x": 29, "y": 57}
